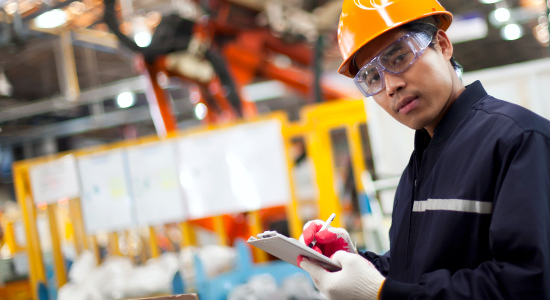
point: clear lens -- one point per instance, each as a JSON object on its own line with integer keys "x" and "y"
{"x": 369, "y": 78}
{"x": 397, "y": 57}
{"x": 422, "y": 39}
{"x": 394, "y": 59}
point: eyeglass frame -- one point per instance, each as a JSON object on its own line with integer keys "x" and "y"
{"x": 413, "y": 44}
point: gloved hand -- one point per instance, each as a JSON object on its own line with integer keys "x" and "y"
{"x": 358, "y": 279}
{"x": 328, "y": 241}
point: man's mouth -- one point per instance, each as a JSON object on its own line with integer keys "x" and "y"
{"x": 407, "y": 104}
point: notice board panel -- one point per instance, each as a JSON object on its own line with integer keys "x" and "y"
{"x": 257, "y": 155}
{"x": 106, "y": 202}
{"x": 155, "y": 185}
{"x": 54, "y": 180}
{"x": 242, "y": 168}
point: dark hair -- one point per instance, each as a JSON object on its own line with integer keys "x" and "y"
{"x": 432, "y": 30}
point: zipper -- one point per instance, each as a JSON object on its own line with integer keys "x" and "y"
{"x": 415, "y": 185}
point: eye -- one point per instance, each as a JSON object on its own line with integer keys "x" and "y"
{"x": 399, "y": 58}
{"x": 373, "y": 78}
{"x": 365, "y": 74}
{"x": 362, "y": 77}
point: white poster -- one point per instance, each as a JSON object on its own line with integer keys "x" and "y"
{"x": 155, "y": 187}
{"x": 242, "y": 168}
{"x": 257, "y": 158}
{"x": 106, "y": 202}
{"x": 54, "y": 180}
{"x": 204, "y": 176}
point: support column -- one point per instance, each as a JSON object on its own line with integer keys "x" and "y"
{"x": 66, "y": 67}
{"x": 58, "y": 261}
{"x": 188, "y": 237}
{"x": 255, "y": 223}
{"x": 37, "y": 272}
{"x": 113, "y": 244}
{"x": 319, "y": 148}
{"x": 356, "y": 154}
{"x": 159, "y": 102}
{"x": 78, "y": 225}
{"x": 153, "y": 242}
{"x": 220, "y": 230}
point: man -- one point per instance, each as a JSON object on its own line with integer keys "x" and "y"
{"x": 471, "y": 217}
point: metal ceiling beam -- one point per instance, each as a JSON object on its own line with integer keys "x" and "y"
{"x": 76, "y": 126}
{"x": 90, "y": 123}
{"x": 105, "y": 39}
{"x": 88, "y": 96}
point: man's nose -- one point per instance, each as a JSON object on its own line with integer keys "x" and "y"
{"x": 394, "y": 83}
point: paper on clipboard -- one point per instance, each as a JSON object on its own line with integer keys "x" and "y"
{"x": 288, "y": 249}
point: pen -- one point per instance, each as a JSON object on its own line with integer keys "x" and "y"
{"x": 325, "y": 226}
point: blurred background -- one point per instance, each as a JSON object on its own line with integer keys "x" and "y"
{"x": 142, "y": 142}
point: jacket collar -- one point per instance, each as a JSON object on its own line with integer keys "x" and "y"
{"x": 465, "y": 101}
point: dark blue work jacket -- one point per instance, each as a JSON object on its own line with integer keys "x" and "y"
{"x": 471, "y": 217}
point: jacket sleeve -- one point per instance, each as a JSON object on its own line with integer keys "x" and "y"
{"x": 381, "y": 262}
{"x": 519, "y": 235}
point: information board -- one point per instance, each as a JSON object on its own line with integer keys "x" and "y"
{"x": 54, "y": 180}
{"x": 155, "y": 185}
{"x": 242, "y": 168}
{"x": 105, "y": 200}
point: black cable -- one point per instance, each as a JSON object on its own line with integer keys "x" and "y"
{"x": 109, "y": 17}
{"x": 220, "y": 67}
{"x": 318, "y": 69}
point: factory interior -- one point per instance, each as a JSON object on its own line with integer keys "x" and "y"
{"x": 142, "y": 142}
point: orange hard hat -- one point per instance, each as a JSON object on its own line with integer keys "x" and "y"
{"x": 363, "y": 20}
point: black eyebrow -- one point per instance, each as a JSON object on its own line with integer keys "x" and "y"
{"x": 394, "y": 49}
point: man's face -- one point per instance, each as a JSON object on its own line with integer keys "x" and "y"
{"x": 420, "y": 96}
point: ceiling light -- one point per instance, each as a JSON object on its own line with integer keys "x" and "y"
{"x": 125, "y": 99}
{"x": 511, "y": 32}
{"x": 143, "y": 38}
{"x": 489, "y": 1}
{"x": 11, "y": 7}
{"x": 51, "y": 19}
{"x": 468, "y": 27}
{"x": 77, "y": 8}
{"x": 153, "y": 19}
{"x": 194, "y": 97}
{"x": 501, "y": 14}
{"x": 532, "y": 3}
{"x": 542, "y": 34}
{"x": 200, "y": 111}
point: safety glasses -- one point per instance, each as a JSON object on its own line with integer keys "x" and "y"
{"x": 395, "y": 59}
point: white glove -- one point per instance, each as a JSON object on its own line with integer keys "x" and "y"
{"x": 328, "y": 241}
{"x": 358, "y": 279}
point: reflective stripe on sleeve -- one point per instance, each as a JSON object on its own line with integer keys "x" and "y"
{"x": 472, "y": 206}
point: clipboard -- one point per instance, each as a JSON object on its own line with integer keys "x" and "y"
{"x": 288, "y": 249}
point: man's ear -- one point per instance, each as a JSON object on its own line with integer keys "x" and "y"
{"x": 444, "y": 44}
